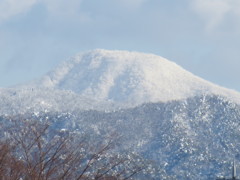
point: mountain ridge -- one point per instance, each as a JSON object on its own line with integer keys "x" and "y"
{"x": 192, "y": 139}
{"x": 128, "y": 77}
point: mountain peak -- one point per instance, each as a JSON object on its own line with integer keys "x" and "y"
{"x": 126, "y": 77}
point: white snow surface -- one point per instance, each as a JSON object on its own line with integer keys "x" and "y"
{"x": 107, "y": 81}
{"x": 129, "y": 78}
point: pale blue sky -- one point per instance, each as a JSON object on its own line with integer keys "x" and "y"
{"x": 202, "y": 36}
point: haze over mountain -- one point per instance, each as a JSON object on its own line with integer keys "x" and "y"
{"x": 187, "y": 125}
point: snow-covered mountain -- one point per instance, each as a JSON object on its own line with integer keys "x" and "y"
{"x": 186, "y": 125}
{"x": 108, "y": 80}
{"x": 128, "y": 78}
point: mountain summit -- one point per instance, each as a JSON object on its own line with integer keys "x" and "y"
{"x": 108, "y": 80}
{"x": 128, "y": 77}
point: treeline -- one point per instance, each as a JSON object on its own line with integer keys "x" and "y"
{"x": 34, "y": 150}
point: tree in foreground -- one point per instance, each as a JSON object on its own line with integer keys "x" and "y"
{"x": 33, "y": 150}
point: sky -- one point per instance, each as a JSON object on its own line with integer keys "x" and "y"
{"x": 202, "y": 36}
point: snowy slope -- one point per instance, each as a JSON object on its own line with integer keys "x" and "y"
{"x": 129, "y": 78}
{"x": 190, "y": 128}
{"x": 34, "y": 100}
{"x": 194, "y": 139}
{"x": 108, "y": 80}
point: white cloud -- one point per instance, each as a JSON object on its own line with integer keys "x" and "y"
{"x": 56, "y": 8}
{"x": 214, "y": 12}
{"x": 9, "y": 8}
{"x": 65, "y": 9}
